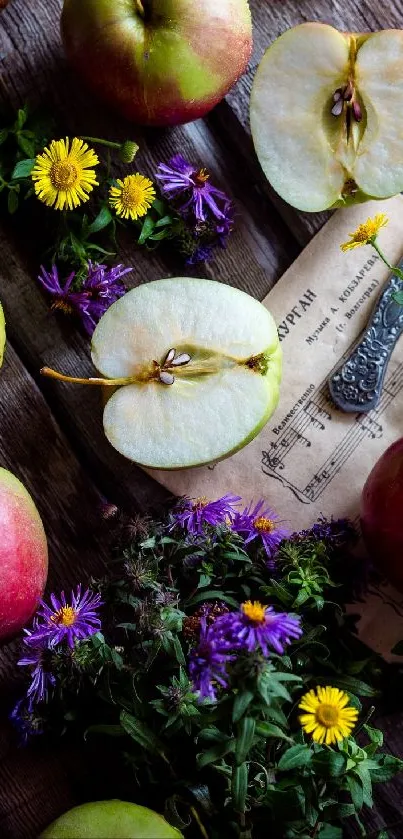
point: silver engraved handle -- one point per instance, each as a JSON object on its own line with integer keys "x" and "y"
{"x": 356, "y": 385}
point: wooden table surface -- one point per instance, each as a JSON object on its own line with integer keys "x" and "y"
{"x": 51, "y": 436}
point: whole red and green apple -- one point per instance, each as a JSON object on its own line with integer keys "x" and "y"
{"x": 158, "y": 62}
{"x": 23, "y": 555}
{"x": 382, "y": 514}
{"x": 110, "y": 820}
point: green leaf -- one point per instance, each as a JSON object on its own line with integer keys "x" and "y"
{"x": 375, "y": 735}
{"x": 329, "y": 764}
{"x": 267, "y": 730}
{"x": 164, "y": 221}
{"x": 12, "y": 201}
{"x": 330, "y": 831}
{"x": 215, "y": 753}
{"x": 244, "y": 739}
{"x": 364, "y": 775}
{"x": 26, "y": 145}
{"x": 213, "y": 735}
{"x": 23, "y": 169}
{"x": 356, "y": 791}
{"x": 101, "y": 221}
{"x": 146, "y": 230}
{"x": 3, "y": 135}
{"x": 160, "y": 207}
{"x": 295, "y": 758}
{"x": 142, "y": 734}
{"x": 339, "y": 811}
{"x": 21, "y": 118}
{"x": 384, "y": 769}
{"x": 398, "y": 298}
{"x": 241, "y": 703}
{"x": 110, "y": 730}
{"x": 239, "y": 787}
{"x": 283, "y": 595}
{"x": 350, "y": 684}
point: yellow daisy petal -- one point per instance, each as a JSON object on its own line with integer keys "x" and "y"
{"x": 366, "y": 232}
{"x": 132, "y": 197}
{"x": 329, "y": 716}
{"x": 62, "y": 176}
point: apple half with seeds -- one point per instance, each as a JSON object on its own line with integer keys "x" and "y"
{"x": 327, "y": 116}
{"x": 194, "y": 366}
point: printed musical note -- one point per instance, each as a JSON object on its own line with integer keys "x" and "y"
{"x": 314, "y": 416}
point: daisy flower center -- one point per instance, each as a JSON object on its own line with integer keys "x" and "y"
{"x": 200, "y": 503}
{"x": 327, "y": 715}
{"x": 201, "y": 177}
{"x": 255, "y": 612}
{"x": 132, "y": 195}
{"x": 264, "y": 525}
{"x": 66, "y": 616}
{"x": 63, "y": 174}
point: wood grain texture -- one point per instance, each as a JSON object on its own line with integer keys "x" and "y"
{"x": 51, "y": 435}
{"x": 34, "y": 786}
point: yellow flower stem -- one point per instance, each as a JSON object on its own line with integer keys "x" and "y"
{"x": 395, "y": 270}
{"x": 109, "y": 143}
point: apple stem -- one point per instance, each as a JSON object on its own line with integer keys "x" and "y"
{"x": 53, "y": 374}
{"x": 140, "y": 8}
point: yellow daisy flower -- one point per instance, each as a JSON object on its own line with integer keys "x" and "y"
{"x": 366, "y": 232}
{"x": 328, "y": 716}
{"x": 62, "y": 174}
{"x": 132, "y": 197}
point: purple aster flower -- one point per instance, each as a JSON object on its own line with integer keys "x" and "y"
{"x": 193, "y": 513}
{"x": 208, "y": 662}
{"x": 101, "y": 287}
{"x": 202, "y": 254}
{"x": 37, "y": 657}
{"x": 180, "y": 178}
{"x": 25, "y": 721}
{"x": 67, "y": 621}
{"x": 336, "y": 532}
{"x": 263, "y": 523}
{"x": 256, "y": 625}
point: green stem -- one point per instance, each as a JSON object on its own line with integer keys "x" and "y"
{"x": 395, "y": 270}
{"x": 109, "y": 143}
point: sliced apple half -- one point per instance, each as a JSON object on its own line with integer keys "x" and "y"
{"x": 327, "y": 116}
{"x": 197, "y": 365}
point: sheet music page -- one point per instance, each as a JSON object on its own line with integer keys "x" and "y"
{"x": 312, "y": 458}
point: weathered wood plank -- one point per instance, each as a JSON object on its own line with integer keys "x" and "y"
{"x": 270, "y": 19}
{"x": 34, "y": 785}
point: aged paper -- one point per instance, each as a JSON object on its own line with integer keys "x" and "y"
{"x": 311, "y": 458}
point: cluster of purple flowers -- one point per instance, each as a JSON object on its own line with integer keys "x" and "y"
{"x": 253, "y": 522}
{"x": 61, "y": 624}
{"x": 207, "y": 211}
{"x": 253, "y": 628}
{"x": 101, "y": 287}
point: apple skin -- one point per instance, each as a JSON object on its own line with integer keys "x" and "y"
{"x": 110, "y": 820}
{"x": 169, "y": 67}
{"x": 23, "y": 555}
{"x": 382, "y": 514}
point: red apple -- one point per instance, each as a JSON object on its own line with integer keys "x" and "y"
{"x": 382, "y": 514}
{"x": 158, "y": 62}
{"x": 23, "y": 555}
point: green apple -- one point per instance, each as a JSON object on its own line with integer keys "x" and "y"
{"x": 2, "y": 334}
{"x": 197, "y": 367}
{"x": 327, "y": 116}
{"x": 158, "y": 62}
{"x": 110, "y": 820}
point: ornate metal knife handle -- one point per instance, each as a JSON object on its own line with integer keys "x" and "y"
{"x": 356, "y": 385}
